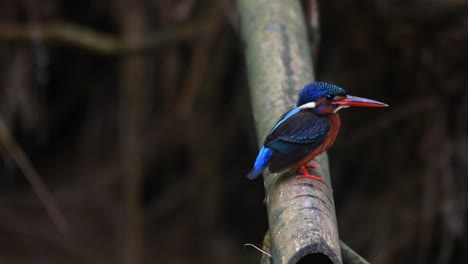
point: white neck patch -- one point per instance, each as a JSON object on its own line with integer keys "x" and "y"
{"x": 308, "y": 105}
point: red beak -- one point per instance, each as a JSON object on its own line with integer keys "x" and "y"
{"x": 359, "y": 101}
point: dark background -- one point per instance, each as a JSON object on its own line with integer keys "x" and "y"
{"x": 144, "y": 134}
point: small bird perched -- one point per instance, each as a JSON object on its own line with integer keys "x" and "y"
{"x": 307, "y": 130}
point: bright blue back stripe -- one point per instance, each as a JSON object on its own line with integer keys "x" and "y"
{"x": 288, "y": 115}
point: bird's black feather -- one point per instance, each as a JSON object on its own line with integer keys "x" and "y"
{"x": 296, "y": 137}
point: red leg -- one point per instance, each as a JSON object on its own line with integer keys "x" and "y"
{"x": 307, "y": 165}
{"x": 307, "y": 175}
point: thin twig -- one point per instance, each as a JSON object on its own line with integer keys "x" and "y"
{"x": 40, "y": 189}
{"x": 259, "y": 249}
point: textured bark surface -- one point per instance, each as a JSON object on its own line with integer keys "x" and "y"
{"x": 301, "y": 212}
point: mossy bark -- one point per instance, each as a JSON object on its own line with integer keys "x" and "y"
{"x": 301, "y": 213}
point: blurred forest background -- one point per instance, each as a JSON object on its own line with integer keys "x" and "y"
{"x": 126, "y": 131}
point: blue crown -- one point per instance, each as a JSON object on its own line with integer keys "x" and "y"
{"x": 315, "y": 90}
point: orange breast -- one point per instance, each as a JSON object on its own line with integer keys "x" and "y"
{"x": 335, "y": 126}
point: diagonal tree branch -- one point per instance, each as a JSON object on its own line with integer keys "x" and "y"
{"x": 134, "y": 93}
{"x": 92, "y": 40}
{"x": 301, "y": 213}
{"x": 30, "y": 172}
{"x": 349, "y": 255}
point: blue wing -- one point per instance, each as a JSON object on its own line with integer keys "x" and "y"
{"x": 265, "y": 155}
{"x": 295, "y": 137}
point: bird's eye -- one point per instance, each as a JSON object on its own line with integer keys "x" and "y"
{"x": 330, "y": 97}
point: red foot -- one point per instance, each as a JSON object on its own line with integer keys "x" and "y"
{"x": 307, "y": 165}
{"x": 307, "y": 175}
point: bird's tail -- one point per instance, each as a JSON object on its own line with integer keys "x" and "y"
{"x": 263, "y": 158}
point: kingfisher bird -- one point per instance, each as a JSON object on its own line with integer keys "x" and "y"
{"x": 307, "y": 130}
